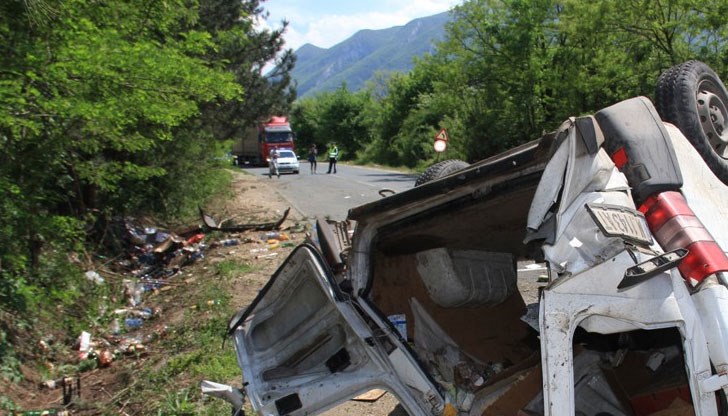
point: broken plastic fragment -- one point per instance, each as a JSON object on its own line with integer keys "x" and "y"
{"x": 223, "y": 391}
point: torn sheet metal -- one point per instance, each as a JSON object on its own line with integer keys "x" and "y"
{"x": 211, "y": 224}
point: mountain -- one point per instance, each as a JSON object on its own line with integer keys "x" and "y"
{"x": 355, "y": 60}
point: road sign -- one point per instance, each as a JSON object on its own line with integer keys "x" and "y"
{"x": 441, "y": 141}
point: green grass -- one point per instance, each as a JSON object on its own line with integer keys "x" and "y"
{"x": 230, "y": 268}
{"x": 193, "y": 351}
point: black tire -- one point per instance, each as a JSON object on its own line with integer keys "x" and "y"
{"x": 440, "y": 169}
{"x": 692, "y": 97}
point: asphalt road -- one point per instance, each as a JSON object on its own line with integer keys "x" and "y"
{"x": 332, "y": 195}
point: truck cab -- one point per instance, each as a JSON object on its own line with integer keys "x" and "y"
{"x": 276, "y": 133}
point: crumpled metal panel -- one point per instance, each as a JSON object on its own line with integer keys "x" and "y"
{"x": 575, "y": 175}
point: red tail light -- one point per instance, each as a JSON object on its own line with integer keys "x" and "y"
{"x": 675, "y": 225}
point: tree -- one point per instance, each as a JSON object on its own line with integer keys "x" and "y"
{"x": 395, "y": 98}
{"x": 501, "y": 50}
{"x": 523, "y": 66}
{"x": 305, "y": 119}
{"x": 245, "y": 51}
{"x": 509, "y": 70}
{"x": 85, "y": 90}
{"x": 108, "y": 109}
{"x": 338, "y": 118}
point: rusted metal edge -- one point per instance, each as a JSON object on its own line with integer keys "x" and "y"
{"x": 210, "y": 224}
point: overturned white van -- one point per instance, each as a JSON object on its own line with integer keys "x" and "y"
{"x": 623, "y": 212}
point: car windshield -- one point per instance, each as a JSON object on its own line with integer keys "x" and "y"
{"x": 286, "y": 153}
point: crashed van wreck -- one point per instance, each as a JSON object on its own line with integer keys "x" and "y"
{"x": 620, "y": 208}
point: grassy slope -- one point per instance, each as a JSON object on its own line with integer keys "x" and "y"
{"x": 182, "y": 345}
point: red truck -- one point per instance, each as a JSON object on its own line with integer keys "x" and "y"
{"x": 257, "y": 142}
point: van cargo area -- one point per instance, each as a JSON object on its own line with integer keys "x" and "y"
{"x": 485, "y": 351}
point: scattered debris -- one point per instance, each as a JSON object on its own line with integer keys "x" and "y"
{"x": 152, "y": 258}
{"x": 94, "y": 276}
{"x": 71, "y": 386}
{"x": 58, "y": 383}
{"x": 46, "y": 412}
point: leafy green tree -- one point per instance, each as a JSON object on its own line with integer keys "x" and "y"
{"x": 509, "y": 70}
{"x": 394, "y": 98}
{"x": 522, "y": 66}
{"x": 304, "y": 121}
{"x": 502, "y": 51}
{"x": 245, "y": 51}
{"x": 105, "y": 110}
{"x": 339, "y": 119}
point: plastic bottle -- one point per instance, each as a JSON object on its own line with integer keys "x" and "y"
{"x": 195, "y": 239}
{"x": 230, "y": 242}
{"x": 133, "y": 322}
{"x": 115, "y": 327}
{"x": 48, "y": 412}
{"x": 144, "y": 313}
{"x": 271, "y": 235}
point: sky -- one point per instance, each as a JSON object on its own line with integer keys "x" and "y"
{"x": 324, "y": 23}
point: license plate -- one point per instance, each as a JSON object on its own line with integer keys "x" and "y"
{"x": 619, "y": 221}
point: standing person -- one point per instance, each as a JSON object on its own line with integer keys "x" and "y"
{"x": 273, "y": 163}
{"x": 333, "y": 157}
{"x": 312, "y": 153}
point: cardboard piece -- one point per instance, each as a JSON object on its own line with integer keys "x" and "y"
{"x": 520, "y": 390}
{"x": 370, "y": 396}
{"x": 649, "y": 392}
{"x": 679, "y": 407}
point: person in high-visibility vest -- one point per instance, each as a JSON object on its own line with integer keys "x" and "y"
{"x": 333, "y": 157}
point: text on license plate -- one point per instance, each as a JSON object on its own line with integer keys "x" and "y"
{"x": 619, "y": 221}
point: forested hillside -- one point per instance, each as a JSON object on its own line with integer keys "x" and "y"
{"x": 356, "y": 60}
{"x": 509, "y": 70}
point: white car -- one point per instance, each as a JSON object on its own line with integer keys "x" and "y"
{"x": 629, "y": 222}
{"x": 287, "y": 162}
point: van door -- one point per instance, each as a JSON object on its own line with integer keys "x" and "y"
{"x": 305, "y": 346}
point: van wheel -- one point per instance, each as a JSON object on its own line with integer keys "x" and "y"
{"x": 440, "y": 170}
{"x": 692, "y": 97}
